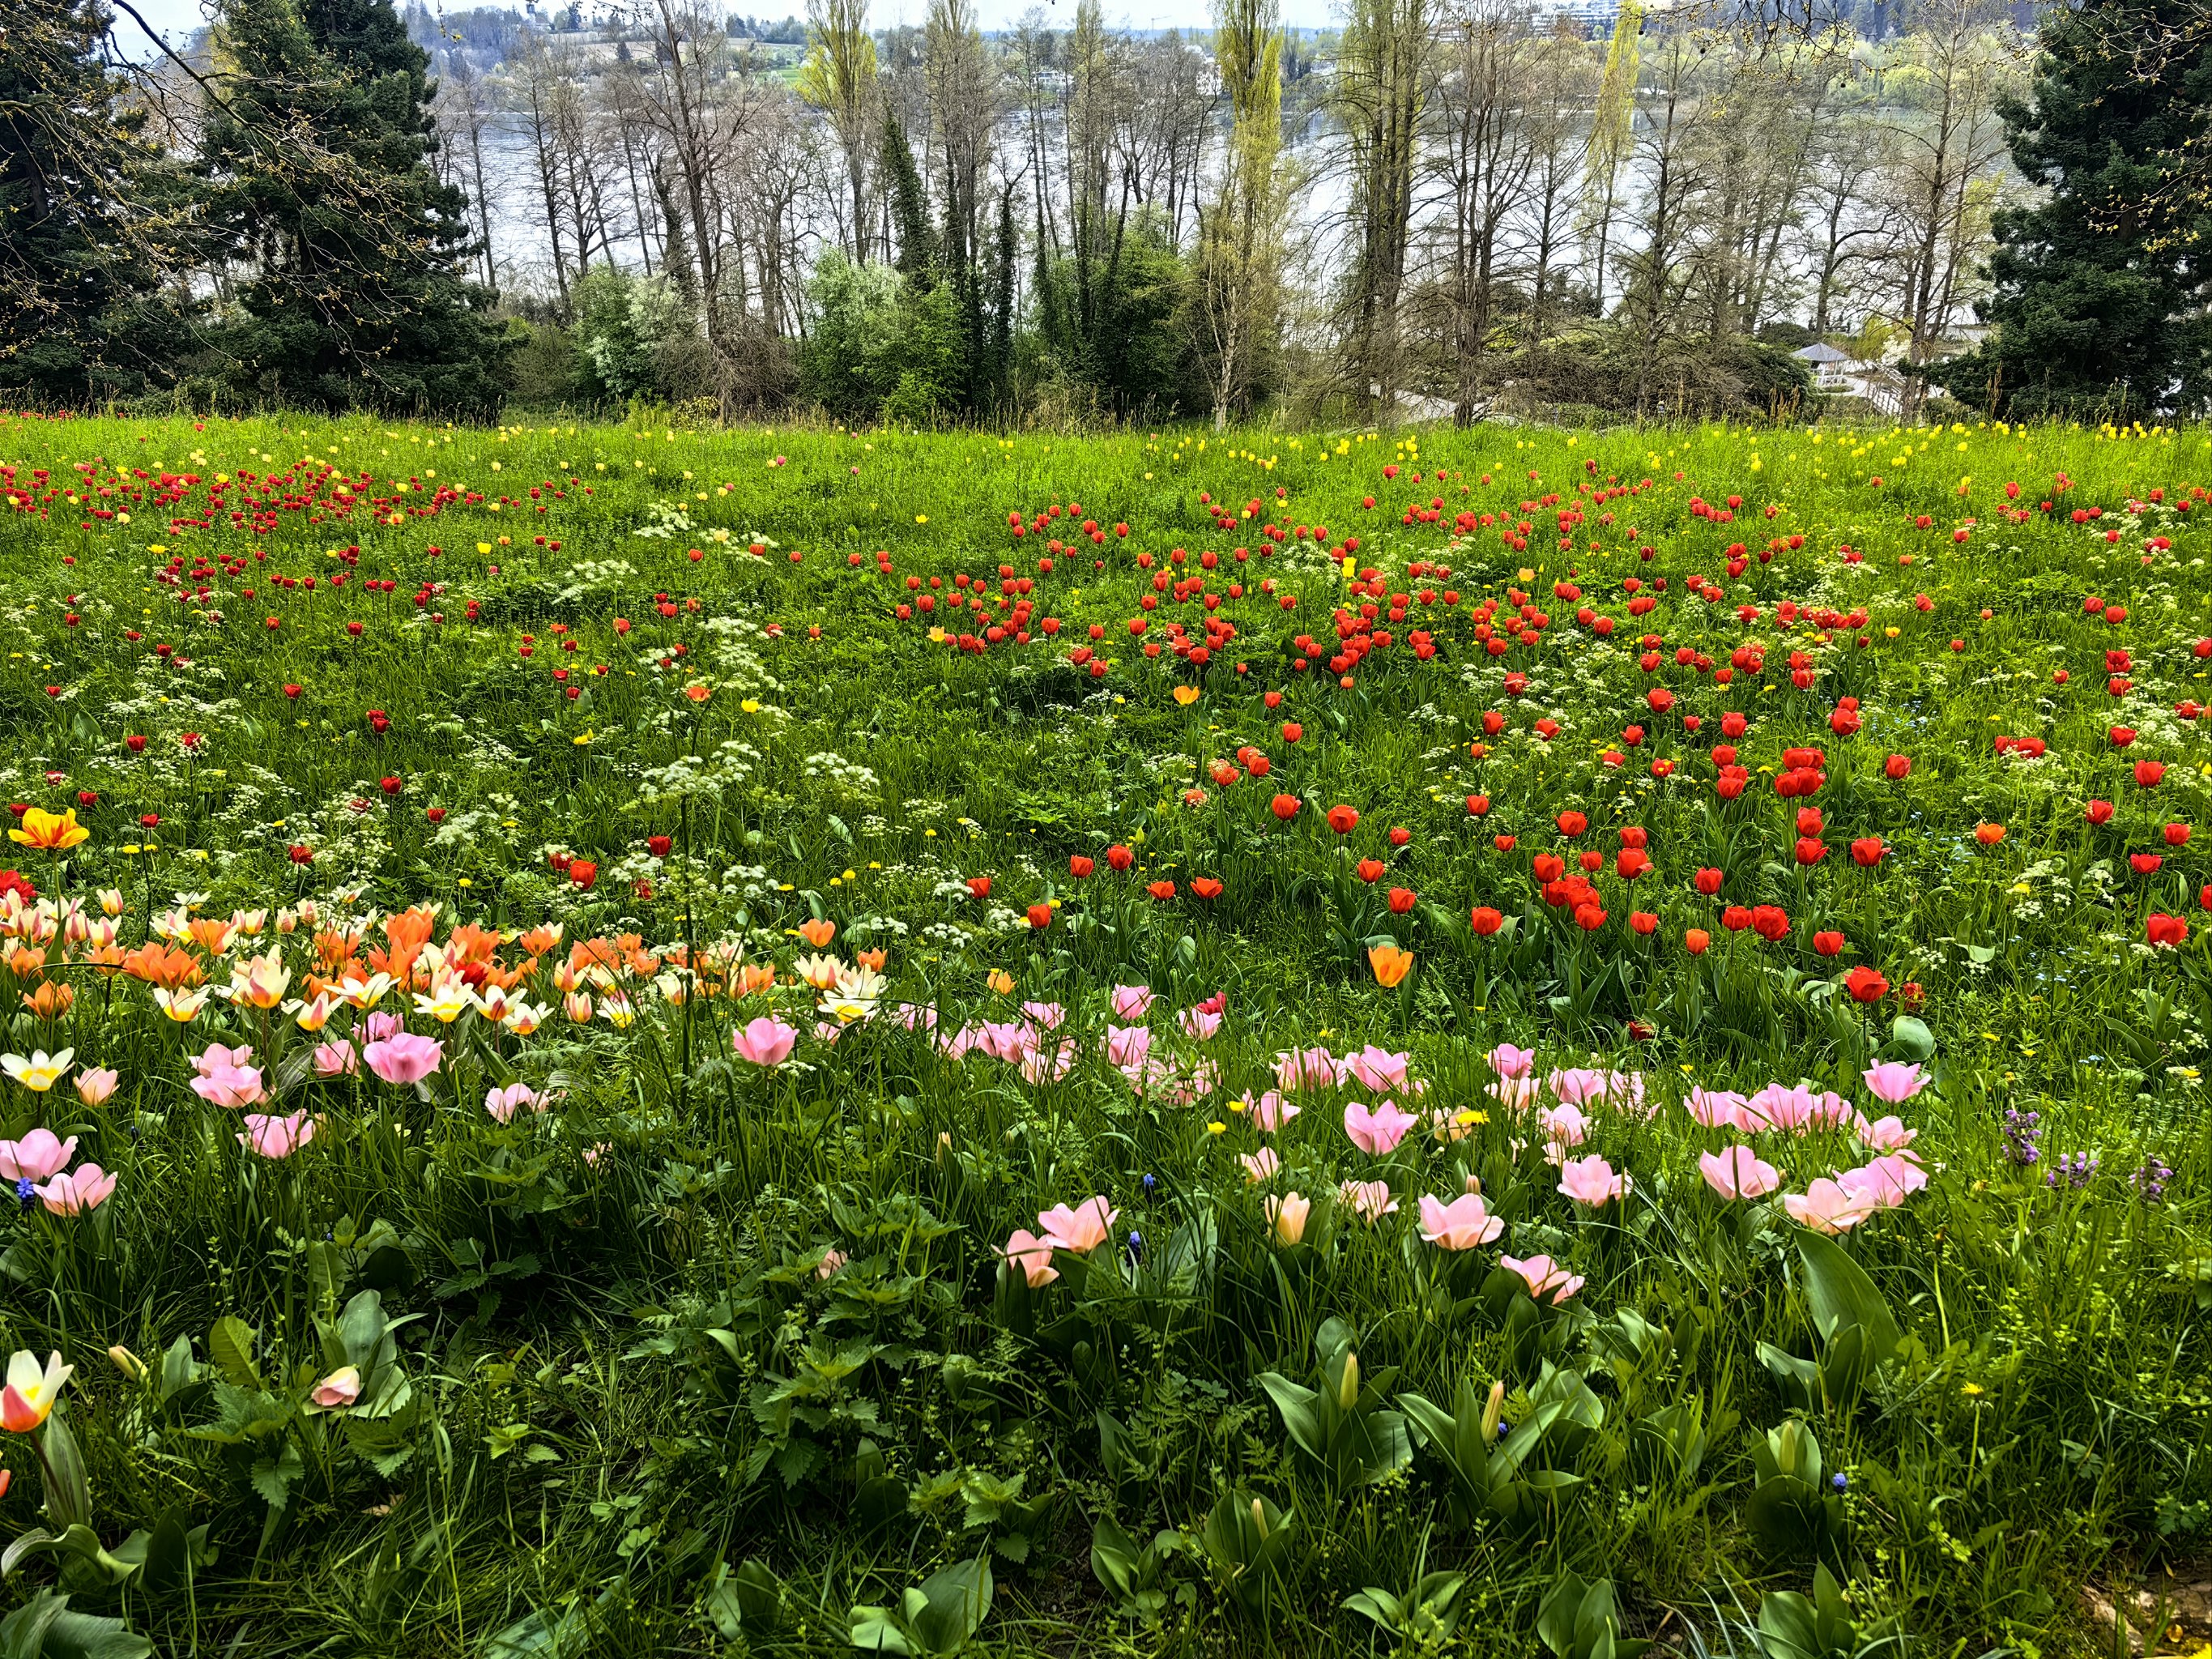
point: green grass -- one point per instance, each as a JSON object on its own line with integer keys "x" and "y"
{"x": 616, "y": 1374}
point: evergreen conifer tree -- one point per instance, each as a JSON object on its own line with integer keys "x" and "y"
{"x": 348, "y": 251}
{"x": 91, "y": 214}
{"x": 2099, "y": 302}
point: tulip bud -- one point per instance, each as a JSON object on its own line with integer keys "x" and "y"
{"x": 1260, "y": 1519}
{"x": 1347, "y": 1389}
{"x": 128, "y": 1363}
{"x": 1494, "y": 1413}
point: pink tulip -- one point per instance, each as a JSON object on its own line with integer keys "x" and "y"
{"x": 1894, "y": 1081}
{"x": 85, "y": 1188}
{"x": 1739, "y": 1172}
{"x": 227, "y": 1082}
{"x": 1885, "y": 1182}
{"x": 94, "y": 1086}
{"x": 1200, "y": 1023}
{"x": 1081, "y": 1230}
{"x": 1369, "y": 1201}
{"x": 1577, "y": 1086}
{"x": 1287, "y": 1213}
{"x": 1563, "y": 1126}
{"x": 764, "y": 1042}
{"x": 1032, "y": 1255}
{"x": 1260, "y": 1167}
{"x": 337, "y": 1059}
{"x": 1132, "y": 1002}
{"x": 1377, "y": 1130}
{"x": 1886, "y": 1134}
{"x": 220, "y": 1059}
{"x": 503, "y": 1103}
{"x": 1795, "y": 1110}
{"x": 1516, "y": 1094}
{"x": 1302, "y": 1069}
{"x": 1376, "y": 1070}
{"x": 36, "y": 1156}
{"x": 337, "y": 1390}
{"x": 1461, "y": 1224}
{"x": 1049, "y": 1064}
{"x": 832, "y": 1263}
{"x": 1127, "y": 1046}
{"x": 1718, "y": 1108}
{"x": 1044, "y": 1016}
{"x": 379, "y": 1026}
{"x": 403, "y": 1058}
{"x": 1542, "y": 1275}
{"x": 1826, "y": 1208}
{"x": 1591, "y": 1181}
{"x": 1271, "y": 1111}
{"x": 1508, "y": 1062}
{"x": 277, "y": 1136}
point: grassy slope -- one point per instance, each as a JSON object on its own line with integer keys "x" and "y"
{"x": 2054, "y": 1408}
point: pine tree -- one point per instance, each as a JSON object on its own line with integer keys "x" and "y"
{"x": 90, "y": 213}
{"x": 322, "y": 196}
{"x": 2100, "y": 304}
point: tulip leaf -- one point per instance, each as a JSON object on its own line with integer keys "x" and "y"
{"x": 1842, "y": 1294}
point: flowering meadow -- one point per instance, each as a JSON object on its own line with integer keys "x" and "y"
{"x": 633, "y": 1042}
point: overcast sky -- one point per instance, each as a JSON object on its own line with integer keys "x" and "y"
{"x": 179, "y": 17}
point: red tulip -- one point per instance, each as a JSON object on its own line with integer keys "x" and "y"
{"x": 658, "y": 846}
{"x": 1697, "y": 941}
{"x": 1206, "y": 887}
{"x": 1828, "y": 942}
{"x": 1643, "y": 922}
{"x": 2099, "y": 813}
{"x": 1477, "y": 806}
{"x": 2149, "y": 773}
{"x": 1119, "y": 858}
{"x": 1486, "y": 921}
{"x": 1401, "y": 899}
{"x": 1343, "y": 820}
{"x": 1867, "y": 851}
{"x": 1079, "y": 867}
{"x": 1369, "y": 870}
{"x": 1040, "y": 916}
{"x": 1896, "y": 767}
{"x": 1285, "y": 807}
{"x": 1162, "y": 891}
{"x": 1708, "y": 881}
{"x": 2165, "y": 930}
{"x": 980, "y": 886}
{"x": 583, "y": 873}
{"x": 1572, "y": 824}
{"x": 1866, "y": 984}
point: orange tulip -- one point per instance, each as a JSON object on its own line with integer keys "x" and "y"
{"x": 1390, "y": 963}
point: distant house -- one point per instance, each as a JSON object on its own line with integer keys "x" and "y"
{"x": 1842, "y": 375}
